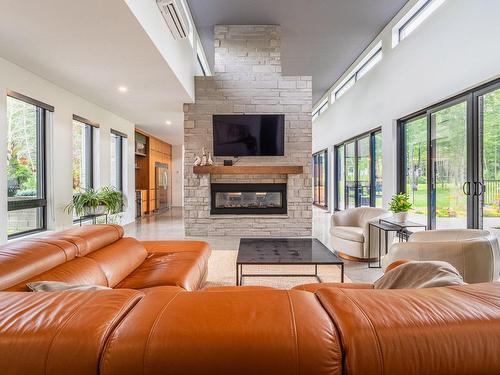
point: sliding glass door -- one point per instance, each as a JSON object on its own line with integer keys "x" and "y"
{"x": 358, "y": 177}
{"x": 364, "y": 171}
{"x": 488, "y": 181}
{"x": 414, "y": 138}
{"x": 350, "y": 175}
{"x": 450, "y": 164}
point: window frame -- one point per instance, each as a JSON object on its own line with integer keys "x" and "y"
{"x": 320, "y": 110}
{"x": 371, "y": 134}
{"x": 324, "y": 152}
{"x": 89, "y": 150}
{"x": 41, "y": 139}
{"x": 411, "y": 16}
{"x": 119, "y": 158}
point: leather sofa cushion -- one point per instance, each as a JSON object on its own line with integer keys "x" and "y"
{"x": 248, "y": 332}
{"x": 317, "y": 286}
{"x": 186, "y": 269}
{"x": 119, "y": 259}
{"x": 435, "y": 331}
{"x": 89, "y": 238}
{"x": 82, "y": 271}
{"x": 58, "y": 333}
{"x": 177, "y": 246}
{"x": 59, "y": 286}
{"x": 349, "y": 233}
{"x": 21, "y": 260}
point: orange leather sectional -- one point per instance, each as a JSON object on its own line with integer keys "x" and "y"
{"x": 157, "y": 321}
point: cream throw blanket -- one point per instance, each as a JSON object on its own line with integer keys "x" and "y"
{"x": 420, "y": 274}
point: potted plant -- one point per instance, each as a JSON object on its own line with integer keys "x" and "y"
{"x": 106, "y": 200}
{"x": 400, "y": 205}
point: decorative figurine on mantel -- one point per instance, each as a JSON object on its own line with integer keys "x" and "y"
{"x": 203, "y": 160}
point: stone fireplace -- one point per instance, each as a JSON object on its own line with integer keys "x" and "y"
{"x": 247, "y": 80}
{"x": 239, "y": 199}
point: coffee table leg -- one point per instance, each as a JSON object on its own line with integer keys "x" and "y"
{"x": 237, "y": 275}
{"x": 342, "y": 273}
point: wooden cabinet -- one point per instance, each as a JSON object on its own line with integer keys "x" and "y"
{"x": 157, "y": 151}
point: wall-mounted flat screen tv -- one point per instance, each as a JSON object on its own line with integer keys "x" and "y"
{"x": 249, "y": 135}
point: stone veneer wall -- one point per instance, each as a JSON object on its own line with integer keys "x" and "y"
{"x": 248, "y": 80}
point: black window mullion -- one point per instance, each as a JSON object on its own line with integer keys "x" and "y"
{"x": 89, "y": 156}
{"x": 356, "y": 177}
{"x": 372, "y": 169}
{"x": 119, "y": 166}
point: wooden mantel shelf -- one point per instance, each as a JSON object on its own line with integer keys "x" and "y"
{"x": 249, "y": 169}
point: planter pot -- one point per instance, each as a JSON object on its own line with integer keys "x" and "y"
{"x": 400, "y": 217}
{"x": 100, "y": 210}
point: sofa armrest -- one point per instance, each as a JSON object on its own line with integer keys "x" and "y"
{"x": 177, "y": 246}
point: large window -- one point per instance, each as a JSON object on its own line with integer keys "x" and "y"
{"x": 320, "y": 178}
{"x": 358, "y": 177}
{"x": 83, "y": 155}
{"x": 117, "y": 142}
{"x": 451, "y": 161}
{"x": 26, "y": 191}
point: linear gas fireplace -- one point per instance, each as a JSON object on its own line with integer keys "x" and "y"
{"x": 248, "y": 199}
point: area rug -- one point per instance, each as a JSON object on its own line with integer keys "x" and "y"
{"x": 222, "y": 272}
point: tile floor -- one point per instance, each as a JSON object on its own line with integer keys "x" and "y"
{"x": 169, "y": 225}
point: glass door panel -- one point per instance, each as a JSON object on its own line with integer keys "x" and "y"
{"x": 340, "y": 178}
{"x": 363, "y": 171}
{"x": 350, "y": 175}
{"x": 378, "y": 169}
{"x": 449, "y": 201}
{"x": 489, "y": 159}
{"x": 322, "y": 179}
{"x": 415, "y": 140}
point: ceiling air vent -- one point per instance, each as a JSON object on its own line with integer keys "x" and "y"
{"x": 174, "y": 17}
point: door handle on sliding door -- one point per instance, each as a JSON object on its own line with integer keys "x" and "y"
{"x": 466, "y": 187}
{"x": 481, "y": 186}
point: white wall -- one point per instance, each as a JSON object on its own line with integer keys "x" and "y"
{"x": 455, "y": 48}
{"x": 179, "y": 54}
{"x": 178, "y": 175}
{"x": 59, "y": 155}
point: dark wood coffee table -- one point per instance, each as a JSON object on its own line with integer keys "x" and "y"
{"x": 284, "y": 251}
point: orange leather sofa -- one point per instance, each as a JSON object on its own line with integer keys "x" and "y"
{"x": 234, "y": 330}
{"x": 100, "y": 255}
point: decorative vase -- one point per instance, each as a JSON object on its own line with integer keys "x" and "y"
{"x": 400, "y": 217}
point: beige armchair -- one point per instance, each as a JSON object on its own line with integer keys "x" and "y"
{"x": 473, "y": 252}
{"x": 349, "y": 232}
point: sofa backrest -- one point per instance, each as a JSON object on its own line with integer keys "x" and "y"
{"x": 450, "y": 330}
{"x": 59, "y": 333}
{"x": 436, "y": 331}
{"x": 225, "y": 332}
{"x": 94, "y": 254}
{"x": 22, "y": 260}
{"x": 89, "y": 238}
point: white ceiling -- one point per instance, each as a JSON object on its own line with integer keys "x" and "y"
{"x": 90, "y": 48}
{"x": 321, "y": 38}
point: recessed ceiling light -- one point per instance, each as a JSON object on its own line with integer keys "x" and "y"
{"x": 122, "y": 88}
{"x": 168, "y": 122}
